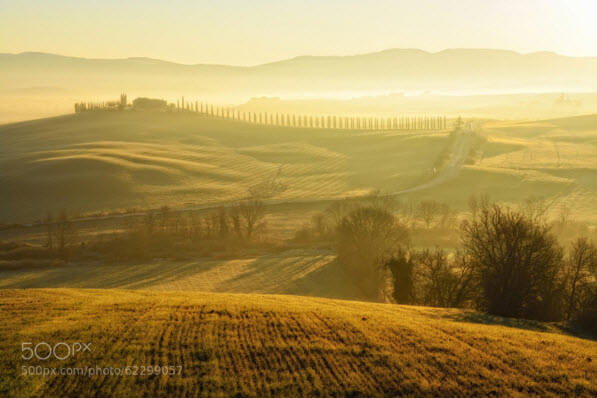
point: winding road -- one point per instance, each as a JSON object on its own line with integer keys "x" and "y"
{"x": 458, "y": 155}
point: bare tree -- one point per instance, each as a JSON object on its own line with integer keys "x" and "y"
{"x": 64, "y": 232}
{"x": 582, "y": 263}
{"x": 564, "y": 215}
{"x": 444, "y": 282}
{"x": 516, "y": 261}
{"x": 338, "y": 210}
{"x": 236, "y": 221}
{"x": 252, "y": 213}
{"x": 428, "y": 211}
{"x": 269, "y": 187}
{"x": 447, "y": 217}
{"x": 476, "y": 203}
{"x": 535, "y": 208}
{"x": 50, "y": 231}
{"x": 149, "y": 222}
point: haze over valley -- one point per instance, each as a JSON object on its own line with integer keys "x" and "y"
{"x": 298, "y": 199}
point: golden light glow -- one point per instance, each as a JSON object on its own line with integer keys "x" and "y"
{"x": 247, "y": 33}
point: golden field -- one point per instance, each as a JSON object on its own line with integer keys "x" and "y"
{"x": 271, "y": 345}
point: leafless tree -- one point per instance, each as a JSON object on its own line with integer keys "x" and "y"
{"x": 536, "y": 208}
{"x": 252, "y": 213}
{"x": 269, "y": 187}
{"x": 477, "y": 203}
{"x": 64, "y": 232}
{"x": 582, "y": 264}
{"x": 236, "y": 221}
{"x": 516, "y": 261}
{"x": 50, "y": 231}
{"x": 428, "y": 211}
{"x": 149, "y": 222}
{"x": 444, "y": 282}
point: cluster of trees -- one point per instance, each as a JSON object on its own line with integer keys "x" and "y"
{"x": 150, "y": 104}
{"x": 244, "y": 221}
{"x": 509, "y": 262}
{"x": 422, "y": 216}
{"x": 102, "y": 106}
{"x": 510, "y": 265}
{"x": 175, "y": 234}
{"x": 161, "y": 233}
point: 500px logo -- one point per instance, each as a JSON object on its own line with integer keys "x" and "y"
{"x": 60, "y": 350}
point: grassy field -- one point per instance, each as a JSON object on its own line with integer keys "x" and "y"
{"x": 105, "y": 161}
{"x": 225, "y": 318}
{"x": 101, "y": 162}
{"x": 268, "y": 345}
{"x": 553, "y": 159}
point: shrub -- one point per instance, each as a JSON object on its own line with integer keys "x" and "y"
{"x": 587, "y": 317}
{"x": 366, "y": 238}
{"x": 431, "y": 278}
{"x": 402, "y": 268}
{"x": 581, "y": 270}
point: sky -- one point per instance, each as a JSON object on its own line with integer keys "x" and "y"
{"x": 253, "y": 32}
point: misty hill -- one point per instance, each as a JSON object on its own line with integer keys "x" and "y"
{"x": 395, "y": 69}
{"x": 118, "y": 160}
{"x": 115, "y": 160}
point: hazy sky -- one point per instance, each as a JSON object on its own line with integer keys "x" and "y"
{"x": 256, "y": 31}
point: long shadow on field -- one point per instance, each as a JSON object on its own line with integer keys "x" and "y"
{"x": 487, "y": 319}
{"x": 129, "y": 276}
{"x": 329, "y": 281}
{"x": 294, "y": 273}
{"x": 526, "y": 324}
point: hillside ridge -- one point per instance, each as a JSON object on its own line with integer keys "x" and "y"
{"x": 262, "y": 346}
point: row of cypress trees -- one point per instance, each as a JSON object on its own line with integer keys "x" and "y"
{"x": 316, "y": 121}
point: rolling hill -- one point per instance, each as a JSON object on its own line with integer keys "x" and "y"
{"x": 268, "y": 345}
{"x": 99, "y": 161}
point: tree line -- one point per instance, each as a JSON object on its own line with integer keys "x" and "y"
{"x": 275, "y": 119}
{"x": 316, "y": 121}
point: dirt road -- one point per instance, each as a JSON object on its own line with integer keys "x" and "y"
{"x": 458, "y": 154}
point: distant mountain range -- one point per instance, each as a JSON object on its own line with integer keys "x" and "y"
{"x": 394, "y": 70}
